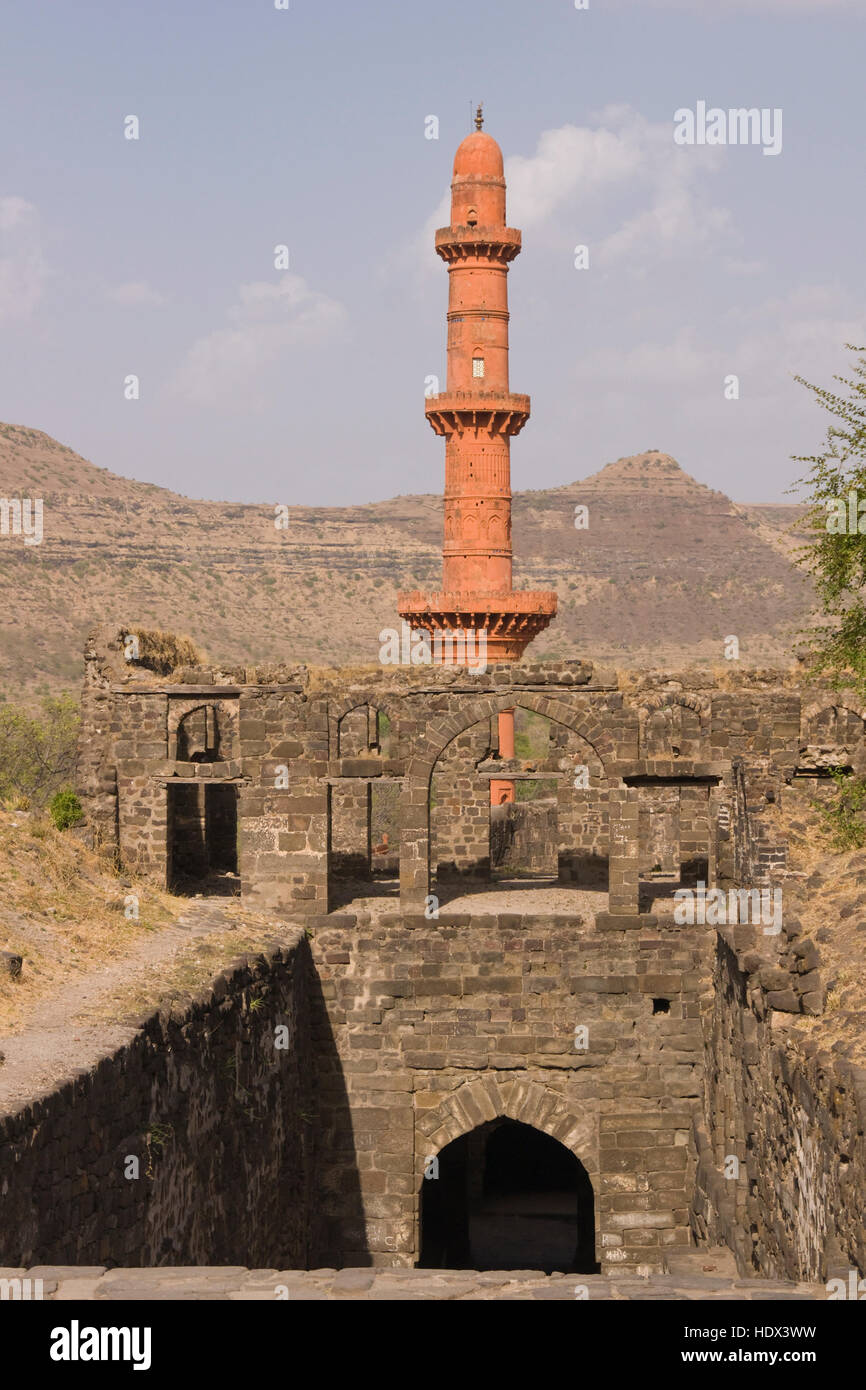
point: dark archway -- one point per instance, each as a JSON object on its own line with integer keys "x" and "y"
{"x": 507, "y": 1196}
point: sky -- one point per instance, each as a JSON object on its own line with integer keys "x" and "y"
{"x": 307, "y": 127}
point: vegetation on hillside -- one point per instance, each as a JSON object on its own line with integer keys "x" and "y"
{"x": 844, "y": 818}
{"x": 37, "y": 751}
{"x": 834, "y": 554}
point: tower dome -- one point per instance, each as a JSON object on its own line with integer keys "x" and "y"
{"x": 478, "y": 184}
{"x": 478, "y": 156}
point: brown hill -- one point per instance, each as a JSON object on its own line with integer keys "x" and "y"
{"x": 666, "y": 569}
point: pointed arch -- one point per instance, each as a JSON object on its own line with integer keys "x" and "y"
{"x": 431, "y": 744}
{"x": 836, "y": 701}
{"x": 665, "y": 702}
{"x": 338, "y": 710}
{"x": 488, "y": 1098}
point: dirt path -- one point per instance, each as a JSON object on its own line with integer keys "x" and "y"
{"x": 70, "y": 1031}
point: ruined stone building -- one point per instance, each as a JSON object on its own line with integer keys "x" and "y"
{"x": 572, "y": 1077}
{"x": 641, "y": 1048}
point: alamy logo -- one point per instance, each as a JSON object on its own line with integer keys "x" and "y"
{"x": 21, "y": 1290}
{"x": 740, "y": 125}
{"x": 21, "y": 516}
{"x": 716, "y": 908}
{"x": 855, "y": 1290}
{"x": 846, "y": 516}
{"x": 452, "y": 647}
{"x": 77, "y": 1343}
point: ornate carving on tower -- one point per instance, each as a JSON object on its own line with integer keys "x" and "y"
{"x": 477, "y": 414}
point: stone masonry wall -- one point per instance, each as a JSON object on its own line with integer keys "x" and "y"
{"x": 217, "y": 1118}
{"x": 793, "y": 1118}
{"x": 439, "y": 1026}
{"x": 288, "y": 736}
{"x": 529, "y": 836}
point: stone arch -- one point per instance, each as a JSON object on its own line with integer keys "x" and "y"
{"x": 428, "y": 748}
{"x": 202, "y": 730}
{"x": 686, "y": 698}
{"x": 432, "y": 743}
{"x": 338, "y": 711}
{"x": 835, "y": 701}
{"x": 488, "y": 1098}
{"x": 669, "y": 700}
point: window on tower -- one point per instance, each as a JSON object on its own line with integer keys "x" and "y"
{"x": 478, "y": 366}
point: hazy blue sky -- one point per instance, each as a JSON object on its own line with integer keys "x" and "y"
{"x": 307, "y": 127}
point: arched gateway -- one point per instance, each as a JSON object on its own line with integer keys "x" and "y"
{"x": 428, "y": 748}
{"x": 507, "y": 1196}
{"x": 505, "y": 1179}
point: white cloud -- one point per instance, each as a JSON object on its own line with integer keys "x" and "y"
{"x": 270, "y": 319}
{"x": 136, "y": 294}
{"x": 670, "y": 390}
{"x": 577, "y": 172}
{"x": 624, "y": 176}
{"x": 802, "y": 333}
{"x": 23, "y": 271}
{"x": 572, "y": 160}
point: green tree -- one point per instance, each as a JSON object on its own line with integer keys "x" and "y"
{"x": 835, "y": 553}
{"x": 37, "y": 752}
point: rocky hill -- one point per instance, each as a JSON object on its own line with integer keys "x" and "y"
{"x": 665, "y": 569}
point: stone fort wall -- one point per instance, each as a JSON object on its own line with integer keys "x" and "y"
{"x": 402, "y": 1037}
{"x": 193, "y": 1144}
{"x": 441, "y": 1026}
{"x": 421, "y": 1030}
{"x": 687, "y": 763}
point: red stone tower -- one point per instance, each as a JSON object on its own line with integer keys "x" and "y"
{"x": 477, "y": 414}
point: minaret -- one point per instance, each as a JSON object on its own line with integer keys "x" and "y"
{"x": 477, "y": 414}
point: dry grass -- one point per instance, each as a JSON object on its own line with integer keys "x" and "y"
{"x": 191, "y": 969}
{"x": 321, "y": 676}
{"x": 163, "y": 652}
{"x": 62, "y": 909}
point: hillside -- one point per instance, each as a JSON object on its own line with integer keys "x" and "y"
{"x": 665, "y": 571}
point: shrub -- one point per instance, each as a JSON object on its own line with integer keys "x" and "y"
{"x": 37, "y": 752}
{"x": 65, "y": 809}
{"x": 835, "y": 556}
{"x": 844, "y": 819}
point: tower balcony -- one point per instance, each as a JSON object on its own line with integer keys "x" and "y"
{"x": 510, "y": 621}
{"x": 499, "y": 412}
{"x": 468, "y": 243}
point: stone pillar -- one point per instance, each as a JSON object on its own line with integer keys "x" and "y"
{"x": 713, "y": 816}
{"x": 624, "y": 852}
{"x": 501, "y": 790}
{"x": 660, "y": 830}
{"x": 414, "y": 844}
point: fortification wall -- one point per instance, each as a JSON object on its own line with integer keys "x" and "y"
{"x": 300, "y": 750}
{"x": 193, "y": 1144}
{"x": 439, "y": 1026}
{"x": 782, "y": 1173}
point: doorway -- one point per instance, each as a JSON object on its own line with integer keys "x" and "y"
{"x": 203, "y": 839}
{"x": 507, "y": 1196}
